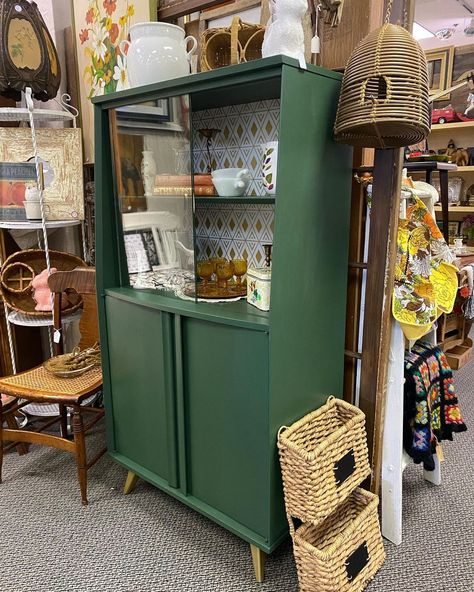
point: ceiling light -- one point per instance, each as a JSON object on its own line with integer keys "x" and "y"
{"x": 445, "y": 33}
{"x": 420, "y": 32}
{"x": 469, "y": 30}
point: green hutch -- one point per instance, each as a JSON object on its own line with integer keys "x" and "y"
{"x": 195, "y": 392}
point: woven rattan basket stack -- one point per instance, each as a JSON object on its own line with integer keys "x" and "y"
{"x": 324, "y": 458}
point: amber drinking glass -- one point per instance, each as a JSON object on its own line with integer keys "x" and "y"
{"x": 215, "y": 261}
{"x": 224, "y": 272}
{"x": 205, "y": 269}
{"x": 239, "y": 267}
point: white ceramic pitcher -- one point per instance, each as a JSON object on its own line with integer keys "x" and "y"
{"x": 156, "y": 52}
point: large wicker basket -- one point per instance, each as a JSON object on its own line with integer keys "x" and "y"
{"x": 384, "y": 100}
{"x": 323, "y": 458}
{"x": 225, "y": 46}
{"x": 344, "y": 552}
{"x": 35, "y": 259}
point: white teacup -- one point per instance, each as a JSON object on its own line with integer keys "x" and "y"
{"x": 231, "y": 182}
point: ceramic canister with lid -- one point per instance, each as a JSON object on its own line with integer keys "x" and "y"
{"x": 258, "y": 287}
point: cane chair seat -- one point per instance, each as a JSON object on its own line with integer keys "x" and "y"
{"x": 43, "y": 387}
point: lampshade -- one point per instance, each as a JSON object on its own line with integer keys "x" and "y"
{"x": 27, "y": 53}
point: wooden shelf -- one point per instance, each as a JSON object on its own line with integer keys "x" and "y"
{"x": 267, "y": 199}
{"x": 443, "y": 127}
{"x": 463, "y": 169}
{"x": 458, "y": 209}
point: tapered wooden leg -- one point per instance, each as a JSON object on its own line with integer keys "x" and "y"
{"x": 258, "y": 560}
{"x": 12, "y": 424}
{"x": 81, "y": 460}
{"x": 63, "y": 422}
{"x": 130, "y": 482}
{"x": 1, "y": 437}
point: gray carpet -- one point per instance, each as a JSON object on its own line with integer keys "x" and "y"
{"x": 148, "y": 542}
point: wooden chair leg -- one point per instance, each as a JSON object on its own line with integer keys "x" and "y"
{"x": 258, "y": 560}
{"x": 130, "y": 482}
{"x": 12, "y": 424}
{"x": 81, "y": 460}
{"x": 63, "y": 421}
{"x": 1, "y": 438}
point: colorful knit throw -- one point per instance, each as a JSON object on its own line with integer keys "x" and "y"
{"x": 431, "y": 410}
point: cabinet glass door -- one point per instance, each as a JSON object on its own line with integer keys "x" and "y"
{"x": 153, "y": 180}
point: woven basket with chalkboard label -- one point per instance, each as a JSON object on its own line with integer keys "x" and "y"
{"x": 343, "y": 553}
{"x": 323, "y": 458}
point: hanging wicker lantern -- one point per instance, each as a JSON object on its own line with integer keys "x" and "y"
{"x": 27, "y": 53}
{"x": 384, "y": 101}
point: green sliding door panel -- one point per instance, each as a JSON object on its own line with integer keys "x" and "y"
{"x": 226, "y": 416}
{"x": 138, "y": 356}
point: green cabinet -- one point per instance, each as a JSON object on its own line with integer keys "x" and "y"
{"x": 143, "y": 406}
{"x": 226, "y": 384}
{"x": 196, "y": 392}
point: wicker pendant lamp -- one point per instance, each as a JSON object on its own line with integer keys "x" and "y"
{"x": 28, "y": 57}
{"x": 384, "y": 101}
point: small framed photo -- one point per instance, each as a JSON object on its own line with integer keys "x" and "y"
{"x": 136, "y": 253}
{"x": 454, "y": 229}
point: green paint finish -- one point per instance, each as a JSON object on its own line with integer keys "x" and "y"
{"x": 226, "y": 415}
{"x": 216, "y": 381}
{"x": 137, "y": 369}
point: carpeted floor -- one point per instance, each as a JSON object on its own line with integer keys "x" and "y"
{"x": 148, "y": 542}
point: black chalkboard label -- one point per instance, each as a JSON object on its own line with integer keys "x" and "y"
{"x": 344, "y": 467}
{"x": 357, "y": 561}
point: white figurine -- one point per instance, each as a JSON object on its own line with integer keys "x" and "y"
{"x": 148, "y": 172}
{"x": 284, "y": 33}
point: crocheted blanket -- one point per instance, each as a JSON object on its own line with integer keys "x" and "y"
{"x": 431, "y": 410}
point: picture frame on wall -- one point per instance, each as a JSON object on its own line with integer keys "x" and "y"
{"x": 99, "y": 28}
{"x": 60, "y": 152}
{"x": 440, "y": 70}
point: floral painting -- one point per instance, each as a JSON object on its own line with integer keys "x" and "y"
{"x": 100, "y": 27}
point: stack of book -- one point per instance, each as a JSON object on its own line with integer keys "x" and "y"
{"x": 183, "y": 185}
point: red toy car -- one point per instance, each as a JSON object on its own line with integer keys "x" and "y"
{"x": 446, "y": 115}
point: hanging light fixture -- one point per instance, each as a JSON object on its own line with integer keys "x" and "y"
{"x": 28, "y": 57}
{"x": 469, "y": 30}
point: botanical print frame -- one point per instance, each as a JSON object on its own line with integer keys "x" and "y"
{"x": 61, "y": 152}
{"x": 440, "y": 70}
{"x": 99, "y": 27}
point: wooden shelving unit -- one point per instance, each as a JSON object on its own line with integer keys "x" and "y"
{"x": 445, "y": 127}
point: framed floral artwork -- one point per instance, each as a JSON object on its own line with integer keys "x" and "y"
{"x": 100, "y": 26}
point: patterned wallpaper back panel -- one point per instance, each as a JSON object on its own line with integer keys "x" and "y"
{"x": 236, "y": 230}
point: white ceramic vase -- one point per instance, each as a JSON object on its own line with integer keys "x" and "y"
{"x": 156, "y": 52}
{"x": 269, "y": 167}
{"x": 148, "y": 172}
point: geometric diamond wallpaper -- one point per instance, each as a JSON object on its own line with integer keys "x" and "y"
{"x": 236, "y": 230}
{"x": 244, "y": 128}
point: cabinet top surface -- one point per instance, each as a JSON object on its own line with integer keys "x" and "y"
{"x": 231, "y": 75}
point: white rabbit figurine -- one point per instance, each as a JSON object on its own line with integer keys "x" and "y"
{"x": 284, "y": 33}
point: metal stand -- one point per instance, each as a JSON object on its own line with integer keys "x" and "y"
{"x": 31, "y": 114}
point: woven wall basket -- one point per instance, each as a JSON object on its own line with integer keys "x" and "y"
{"x": 225, "y": 46}
{"x": 35, "y": 260}
{"x": 384, "y": 101}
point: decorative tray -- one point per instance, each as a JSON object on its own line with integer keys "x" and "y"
{"x": 73, "y": 364}
{"x": 212, "y": 291}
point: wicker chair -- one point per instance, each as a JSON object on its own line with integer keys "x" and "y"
{"x": 39, "y": 386}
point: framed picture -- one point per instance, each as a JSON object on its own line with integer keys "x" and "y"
{"x": 99, "y": 27}
{"x": 13, "y": 180}
{"x": 440, "y": 70}
{"x": 454, "y": 228}
{"x": 60, "y": 152}
{"x": 136, "y": 253}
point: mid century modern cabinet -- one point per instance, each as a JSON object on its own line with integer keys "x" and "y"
{"x": 196, "y": 392}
